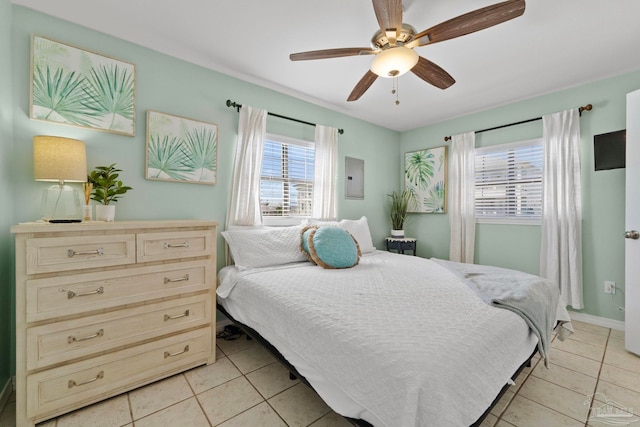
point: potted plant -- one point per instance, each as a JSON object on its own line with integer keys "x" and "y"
{"x": 399, "y": 207}
{"x": 106, "y": 189}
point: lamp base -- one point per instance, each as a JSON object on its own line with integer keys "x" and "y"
{"x": 61, "y": 203}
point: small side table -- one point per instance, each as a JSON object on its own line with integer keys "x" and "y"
{"x": 401, "y": 244}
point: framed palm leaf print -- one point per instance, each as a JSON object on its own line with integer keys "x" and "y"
{"x": 76, "y": 87}
{"x": 181, "y": 149}
{"x": 425, "y": 176}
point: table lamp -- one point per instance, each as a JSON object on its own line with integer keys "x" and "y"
{"x": 60, "y": 160}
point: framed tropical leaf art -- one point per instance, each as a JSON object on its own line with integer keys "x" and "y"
{"x": 425, "y": 176}
{"x": 181, "y": 149}
{"x": 81, "y": 88}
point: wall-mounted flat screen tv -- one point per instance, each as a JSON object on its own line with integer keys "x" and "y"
{"x": 609, "y": 150}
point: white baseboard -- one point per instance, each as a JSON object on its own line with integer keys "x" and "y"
{"x": 597, "y": 320}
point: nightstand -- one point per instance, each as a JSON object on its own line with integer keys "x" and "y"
{"x": 401, "y": 244}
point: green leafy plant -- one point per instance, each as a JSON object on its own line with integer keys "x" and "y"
{"x": 399, "y": 208}
{"x": 106, "y": 186}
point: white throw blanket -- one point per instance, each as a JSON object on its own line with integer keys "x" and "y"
{"x": 397, "y": 340}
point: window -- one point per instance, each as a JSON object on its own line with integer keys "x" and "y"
{"x": 508, "y": 183}
{"x": 286, "y": 181}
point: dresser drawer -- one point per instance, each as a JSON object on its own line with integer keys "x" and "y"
{"x": 61, "y": 296}
{"x": 94, "y": 379}
{"x": 51, "y": 254}
{"x": 174, "y": 245}
{"x": 68, "y": 340}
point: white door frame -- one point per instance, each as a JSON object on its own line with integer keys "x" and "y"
{"x": 632, "y": 222}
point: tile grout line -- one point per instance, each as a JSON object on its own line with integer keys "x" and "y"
{"x": 130, "y": 410}
{"x": 264, "y": 399}
{"x": 542, "y": 379}
{"x": 515, "y": 394}
{"x": 195, "y": 395}
{"x": 226, "y": 382}
{"x": 593, "y": 396}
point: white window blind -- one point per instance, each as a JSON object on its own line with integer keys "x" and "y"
{"x": 508, "y": 182}
{"x": 286, "y": 183}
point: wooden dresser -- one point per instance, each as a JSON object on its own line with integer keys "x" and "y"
{"x": 102, "y": 308}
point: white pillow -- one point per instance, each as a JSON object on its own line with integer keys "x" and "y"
{"x": 359, "y": 229}
{"x": 264, "y": 247}
{"x": 319, "y": 222}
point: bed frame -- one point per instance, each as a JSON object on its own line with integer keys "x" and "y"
{"x": 293, "y": 372}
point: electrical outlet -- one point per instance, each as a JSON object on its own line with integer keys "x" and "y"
{"x": 609, "y": 287}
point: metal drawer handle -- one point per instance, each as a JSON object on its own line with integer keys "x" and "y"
{"x": 167, "y": 354}
{"x": 71, "y": 294}
{"x": 180, "y": 279}
{"x": 71, "y": 253}
{"x": 99, "y": 333}
{"x": 177, "y": 316}
{"x": 100, "y": 375}
{"x": 177, "y": 245}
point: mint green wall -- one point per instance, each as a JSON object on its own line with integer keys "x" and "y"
{"x": 6, "y": 198}
{"x": 518, "y": 247}
{"x": 172, "y": 86}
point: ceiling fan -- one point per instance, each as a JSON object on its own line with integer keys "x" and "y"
{"x": 393, "y": 44}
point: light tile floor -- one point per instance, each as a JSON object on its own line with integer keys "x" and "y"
{"x": 589, "y": 374}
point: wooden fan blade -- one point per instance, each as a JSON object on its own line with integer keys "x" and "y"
{"x": 389, "y": 15}
{"x": 471, "y": 22}
{"x": 362, "y": 86}
{"x": 432, "y": 74}
{"x": 331, "y": 53}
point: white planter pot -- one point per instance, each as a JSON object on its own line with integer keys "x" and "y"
{"x": 105, "y": 213}
{"x": 397, "y": 233}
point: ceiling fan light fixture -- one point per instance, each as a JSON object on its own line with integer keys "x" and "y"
{"x": 394, "y": 61}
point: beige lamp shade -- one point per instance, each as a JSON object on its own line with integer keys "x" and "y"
{"x": 394, "y": 62}
{"x": 59, "y": 159}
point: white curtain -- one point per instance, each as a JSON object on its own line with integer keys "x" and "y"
{"x": 561, "y": 247}
{"x": 462, "y": 197}
{"x": 324, "y": 174}
{"x": 244, "y": 202}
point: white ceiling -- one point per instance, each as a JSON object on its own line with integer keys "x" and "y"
{"x": 556, "y": 44}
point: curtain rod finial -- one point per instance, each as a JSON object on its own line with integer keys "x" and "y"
{"x": 587, "y": 107}
{"x": 233, "y": 104}
{"x": 447, "y": 138}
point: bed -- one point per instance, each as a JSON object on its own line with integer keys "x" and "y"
{"x": 394, "y": 340}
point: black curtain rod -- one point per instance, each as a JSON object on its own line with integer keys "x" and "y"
{"x": 237, "y": 106}
{"x": 587, "y": 107}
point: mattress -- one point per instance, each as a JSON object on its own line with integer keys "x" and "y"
{"x": 396, "y": 340}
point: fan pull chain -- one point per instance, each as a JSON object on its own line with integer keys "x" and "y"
{"x": 394, "y": 89}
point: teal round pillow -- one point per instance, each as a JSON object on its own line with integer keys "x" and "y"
{"x": 333, "y": 247}
{"x": 304, "y": 240}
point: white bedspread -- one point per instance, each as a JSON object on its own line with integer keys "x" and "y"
{"x": 397, "y": 340}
